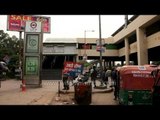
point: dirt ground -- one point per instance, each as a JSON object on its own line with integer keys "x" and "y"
{"x": 64, "y": 99}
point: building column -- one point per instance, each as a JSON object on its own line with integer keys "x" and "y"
{"x": 107, "y": 64}
{"x": 77, "y": 58}
{"x": 127, "y": 51}
{"x": 103, "y": 63}
{"x": 113, "y": 63}
{"x": 110, "y": 65}
{"x": 142, "y": 52}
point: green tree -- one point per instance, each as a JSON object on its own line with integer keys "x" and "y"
{"x": 9, "y": 46}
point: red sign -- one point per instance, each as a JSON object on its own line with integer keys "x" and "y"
{"x": 72, "y": 67}
{"x": 86, "y": 46}
{"x": 17, "y": 22}
{"x": 98, "y": 48}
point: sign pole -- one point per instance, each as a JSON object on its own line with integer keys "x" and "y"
{"x": 21, "y": 56}
{"x": 100, "y": 42}
{"x": 33, "y": 54}
{"x": 23, "y": 86}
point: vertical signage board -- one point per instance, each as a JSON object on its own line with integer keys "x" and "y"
{"x": 32, "y": 54}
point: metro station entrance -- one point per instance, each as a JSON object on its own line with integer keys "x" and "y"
{"x": 52, "y": 66}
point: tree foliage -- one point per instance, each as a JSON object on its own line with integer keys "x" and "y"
{"x": 9, "y": 49}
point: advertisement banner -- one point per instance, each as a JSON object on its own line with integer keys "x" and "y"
{"x": 17, "y": 22}
{"x": 72, "y": 67}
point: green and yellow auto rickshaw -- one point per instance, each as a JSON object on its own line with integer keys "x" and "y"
{"x": 135, "y": 85}
{"x": 156, "y": 86}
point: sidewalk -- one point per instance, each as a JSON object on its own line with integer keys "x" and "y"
{"x": 12, "y": 94}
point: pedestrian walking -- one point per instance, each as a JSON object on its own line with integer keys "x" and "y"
{"x": 65, "y": 82}
{"x": 94, "y": 75}
{"x": 115, "y": 78}
{"x": 104, "y": 77}
{"x": 72, "y": 76}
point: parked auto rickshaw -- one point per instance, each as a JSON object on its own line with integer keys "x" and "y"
{"x": 156, "y": 86}
{"x": 135, "y": 85}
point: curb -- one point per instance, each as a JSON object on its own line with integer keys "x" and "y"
{"x": 93, "y": 91}
{"x": 103, "y": 91}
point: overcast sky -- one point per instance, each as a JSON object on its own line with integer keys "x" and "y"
{"x": 73, "y": 26}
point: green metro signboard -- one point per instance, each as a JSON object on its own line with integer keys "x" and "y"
{"x": 32, "y": 54}
{"x": 32, "y": 43}
{"x": 32, "y": 64}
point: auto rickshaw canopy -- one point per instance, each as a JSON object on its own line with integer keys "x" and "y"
{"x": 134, "y": 77}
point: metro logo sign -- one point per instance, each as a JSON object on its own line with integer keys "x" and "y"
{"x": 32, "y": 26}
{"x": 17, "y": 22}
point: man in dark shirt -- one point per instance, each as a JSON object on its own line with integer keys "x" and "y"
{"x": 94, "y": 75}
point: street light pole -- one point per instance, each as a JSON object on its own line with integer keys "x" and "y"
{"x": 21, "y": 55}
{"x": 100, "y": 42}
{"x": 85, "y": 42}
{"x": 126, "y": 20}
{"x": 85, "y": 55}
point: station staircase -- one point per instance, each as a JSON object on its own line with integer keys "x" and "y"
{"x": 51, "y": 74}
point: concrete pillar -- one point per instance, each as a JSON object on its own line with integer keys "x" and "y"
{"x": 107, "y": 63}
{"x": 110, "y": 65}
{"x": 113, "y": 63}
{"x": 142, "y": 52}
{"x": 127, "y": 51}
{"x": 77, "y": 58}
{"x": 103, "y": 63}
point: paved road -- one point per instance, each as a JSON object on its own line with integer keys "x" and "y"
{"x": 12, "y": 94}
{"x": 99, "y": 97}
{"x": 103, "y": 99}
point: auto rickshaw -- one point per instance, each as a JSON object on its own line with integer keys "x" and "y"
{"x": 156, "y": 86}
{"x": 135, "y": 84}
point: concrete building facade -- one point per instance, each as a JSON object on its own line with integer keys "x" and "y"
{"x": 141, "y": 37}
{"x": 137, "y": 43}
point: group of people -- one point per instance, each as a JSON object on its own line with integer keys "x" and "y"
{"x": 104, "y": 75}
{"x": 71, "y": 77}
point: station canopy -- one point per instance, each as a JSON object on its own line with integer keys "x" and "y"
{"x": 60, "y": 40}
